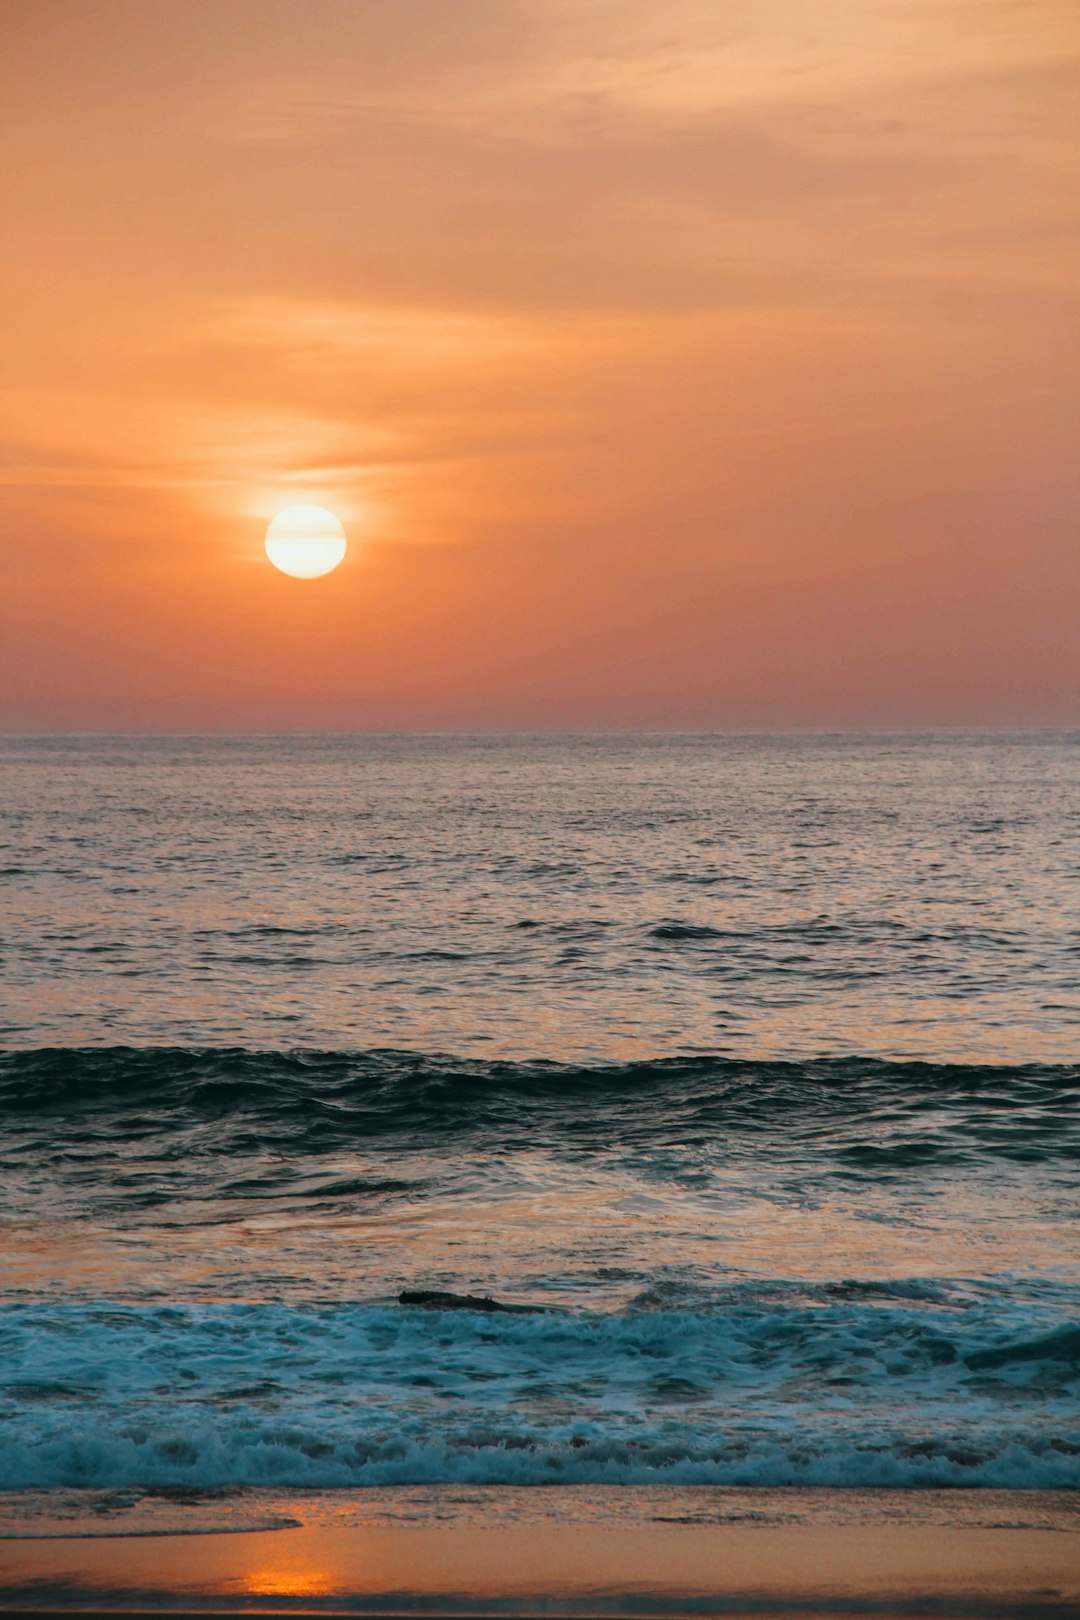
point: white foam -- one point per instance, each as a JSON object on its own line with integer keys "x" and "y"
{"x": 853, "y": 1394}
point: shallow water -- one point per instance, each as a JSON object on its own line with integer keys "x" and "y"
{"x": 567, "y": 1550}
{"x": 752, "y": 1060}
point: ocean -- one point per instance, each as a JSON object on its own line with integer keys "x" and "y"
{"x": 751, "y": 1060}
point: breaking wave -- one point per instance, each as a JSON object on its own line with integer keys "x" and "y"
{"x": 755, "y": 1389}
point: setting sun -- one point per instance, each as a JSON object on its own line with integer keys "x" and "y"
{"x": 305, "y": 541}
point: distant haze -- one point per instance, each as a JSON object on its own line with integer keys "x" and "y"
{"x": 680, "y": 365}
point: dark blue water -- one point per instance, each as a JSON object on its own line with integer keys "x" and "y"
{"x": 753, "y": 1061}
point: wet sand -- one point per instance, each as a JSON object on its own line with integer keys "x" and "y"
{"x": 571, "y": 1551}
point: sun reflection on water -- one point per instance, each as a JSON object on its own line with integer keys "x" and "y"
{"x": 288, "y": 1580}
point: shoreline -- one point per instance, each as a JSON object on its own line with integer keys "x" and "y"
{"x": 580, "y": 1552}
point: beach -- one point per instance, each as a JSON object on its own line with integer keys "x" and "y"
{"x": 562, "y": 1551}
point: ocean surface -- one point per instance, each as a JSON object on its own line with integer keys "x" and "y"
{"x": 753, "y": 1060}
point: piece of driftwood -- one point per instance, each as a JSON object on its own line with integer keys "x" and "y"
{"x": 432, "y": 1300}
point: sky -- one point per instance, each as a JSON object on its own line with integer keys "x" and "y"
{"x": 686, "y": 365}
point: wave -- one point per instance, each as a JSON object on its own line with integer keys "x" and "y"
{"x": 870, "y": 1114}
{"x": 753, "y": 1394}
{"x": 265, "y": 1452}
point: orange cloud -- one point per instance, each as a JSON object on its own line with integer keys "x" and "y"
{"x": 718, "y": 372}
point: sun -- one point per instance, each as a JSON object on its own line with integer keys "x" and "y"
{"x": 305, "y": 541}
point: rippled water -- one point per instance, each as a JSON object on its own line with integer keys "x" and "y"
{"x": 751, "y": 1060}
{"x": 545, "y": 896}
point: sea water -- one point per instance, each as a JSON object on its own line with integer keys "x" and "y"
{"x": 752, "y": 1060}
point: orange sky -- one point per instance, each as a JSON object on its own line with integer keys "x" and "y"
{"x": 705, "y": 363}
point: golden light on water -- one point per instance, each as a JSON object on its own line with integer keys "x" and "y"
{"x": 306, "y": 541}
{"x": 289, "y": 1579}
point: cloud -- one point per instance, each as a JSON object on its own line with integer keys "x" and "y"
{"x": 622, "y": 313}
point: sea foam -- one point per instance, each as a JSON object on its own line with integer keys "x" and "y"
{"x": 751, "y": 1393}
